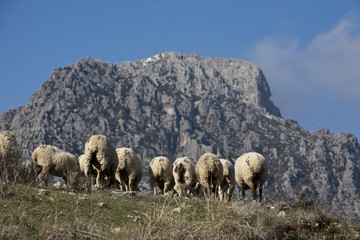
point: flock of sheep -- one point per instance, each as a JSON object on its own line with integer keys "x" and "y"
{"x": 105, "y": 166}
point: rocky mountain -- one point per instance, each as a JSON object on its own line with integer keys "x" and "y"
{"x": 175, "y": 105}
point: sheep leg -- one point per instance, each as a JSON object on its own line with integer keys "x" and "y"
{"x": 127, "y": 187}
{"x": 45, "y": 179}
{"x": 178, "y": 189}
{"x": 112, "y": 179}
{"x": 166, "y": 187}
{"x": 229, "y": 194}
{"x": 260, "y": 193}
{"x": 122, "y": 187}
{"x": 243, "y": 193}
{"x": 253, "y": 189}
{"x": 88, "y": 182}
{"x": 160, "y": 183}
{"x": 109, "y": 181}
{"x": 221, "y": 193}
{"x": 153, "y": 182}
{"x": 37, "y": 172}
{"x": 217, "y": 192}
{"x": 130, "y": 185}
{"x": 155, "y": 190}
{"x": 99, "y": 180}
{"x": 208, "y": 191}
{"x": 66, "y": 180}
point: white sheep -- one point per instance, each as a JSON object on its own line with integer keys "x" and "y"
{"x": 209, "y": 172}
{"x": 101, "y": 156}
{"x": 129, "y": 171}
{"x": 51, "y": 160}
{"x": 9, "y": 155}
{"x": 185, "y": 176}
{"x": 161, "y": 174}
{"x": 251, "y": 171}
{"x": 8, "y": 146}
{"x": 227, "y": 186}
{"x": 92, "y": 172}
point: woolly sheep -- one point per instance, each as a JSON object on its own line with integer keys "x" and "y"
{"x": 227, "y": 186}
{"x": 100, "y": 155}
{"x": 82, "y": 163}
{"x": 129, "y": 171}
{"x": 184, "y": 176}
{"x": 9, "y": 155}
{"x": 209, "y": 172}
{"x": 8, "y": 147}
{"x": 161, "y": 174}
{"x": 251, "y": 171}
{"x": 52, "y": 160}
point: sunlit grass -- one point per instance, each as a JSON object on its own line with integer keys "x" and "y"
{"x": 28, "y": 212}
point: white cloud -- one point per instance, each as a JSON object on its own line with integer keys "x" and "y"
{"x": 333, "y": 59}
{"x": 329, "y": 62}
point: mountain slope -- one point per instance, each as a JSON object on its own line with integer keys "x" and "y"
{"x": 175, "y": 105}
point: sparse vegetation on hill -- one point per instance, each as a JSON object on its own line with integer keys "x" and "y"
{"x": 28, "y": 212}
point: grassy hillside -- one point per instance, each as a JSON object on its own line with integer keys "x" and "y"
{"x": 28, "y": 212}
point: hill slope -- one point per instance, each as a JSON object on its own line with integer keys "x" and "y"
{"x": 174, "y": 105}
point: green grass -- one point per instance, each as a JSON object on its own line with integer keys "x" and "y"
{"x": 27, "y": 214}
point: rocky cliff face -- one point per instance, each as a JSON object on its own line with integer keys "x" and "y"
{"x": 177, "y": 105}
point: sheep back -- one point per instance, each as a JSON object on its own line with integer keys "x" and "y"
{"x": 65, "y": 161}
{"x": 228, "y": 183}
{"x": 101, "y": 155}
{"x": 251, "y": 170}
{"x": 100, "y": 152}
{"x": 250, "y": 165}
{"x": 209, "y": 172}
{"x": 184, "y": 175}
{"x": 57, "y": 161}
{"x": 161, "y": 173}
{"x": 82, "y": 163}
{"x": 129, "y": 169}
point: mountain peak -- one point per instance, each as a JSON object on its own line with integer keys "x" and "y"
{"x": 233, "y": 78}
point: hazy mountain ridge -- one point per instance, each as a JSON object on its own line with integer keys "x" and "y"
{"x": 175, "y": 105}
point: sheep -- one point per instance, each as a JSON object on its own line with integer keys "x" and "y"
{"x": 101, "y": 156}
{"x": 51, "y": 160}
{"x": 227, "y": 186}
{"x": 251, "y": 171}
{"x": 10, "y": 156}
{"x": 129, "y": 171}
{"x": 209, "y": 172}
{"x": 92, "y": 172}
{"x": 184, "y": 176}
{"x": 161, "y": 174}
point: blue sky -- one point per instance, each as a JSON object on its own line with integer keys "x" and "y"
{"x": 309, "y": 50}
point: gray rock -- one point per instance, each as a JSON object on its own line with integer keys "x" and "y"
{"x": 184, "y": 105}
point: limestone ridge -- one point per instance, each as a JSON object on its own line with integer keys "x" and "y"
{"x": 177, "y": 105}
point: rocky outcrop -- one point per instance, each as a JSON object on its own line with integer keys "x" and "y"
{"x": 185, "y": 105}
